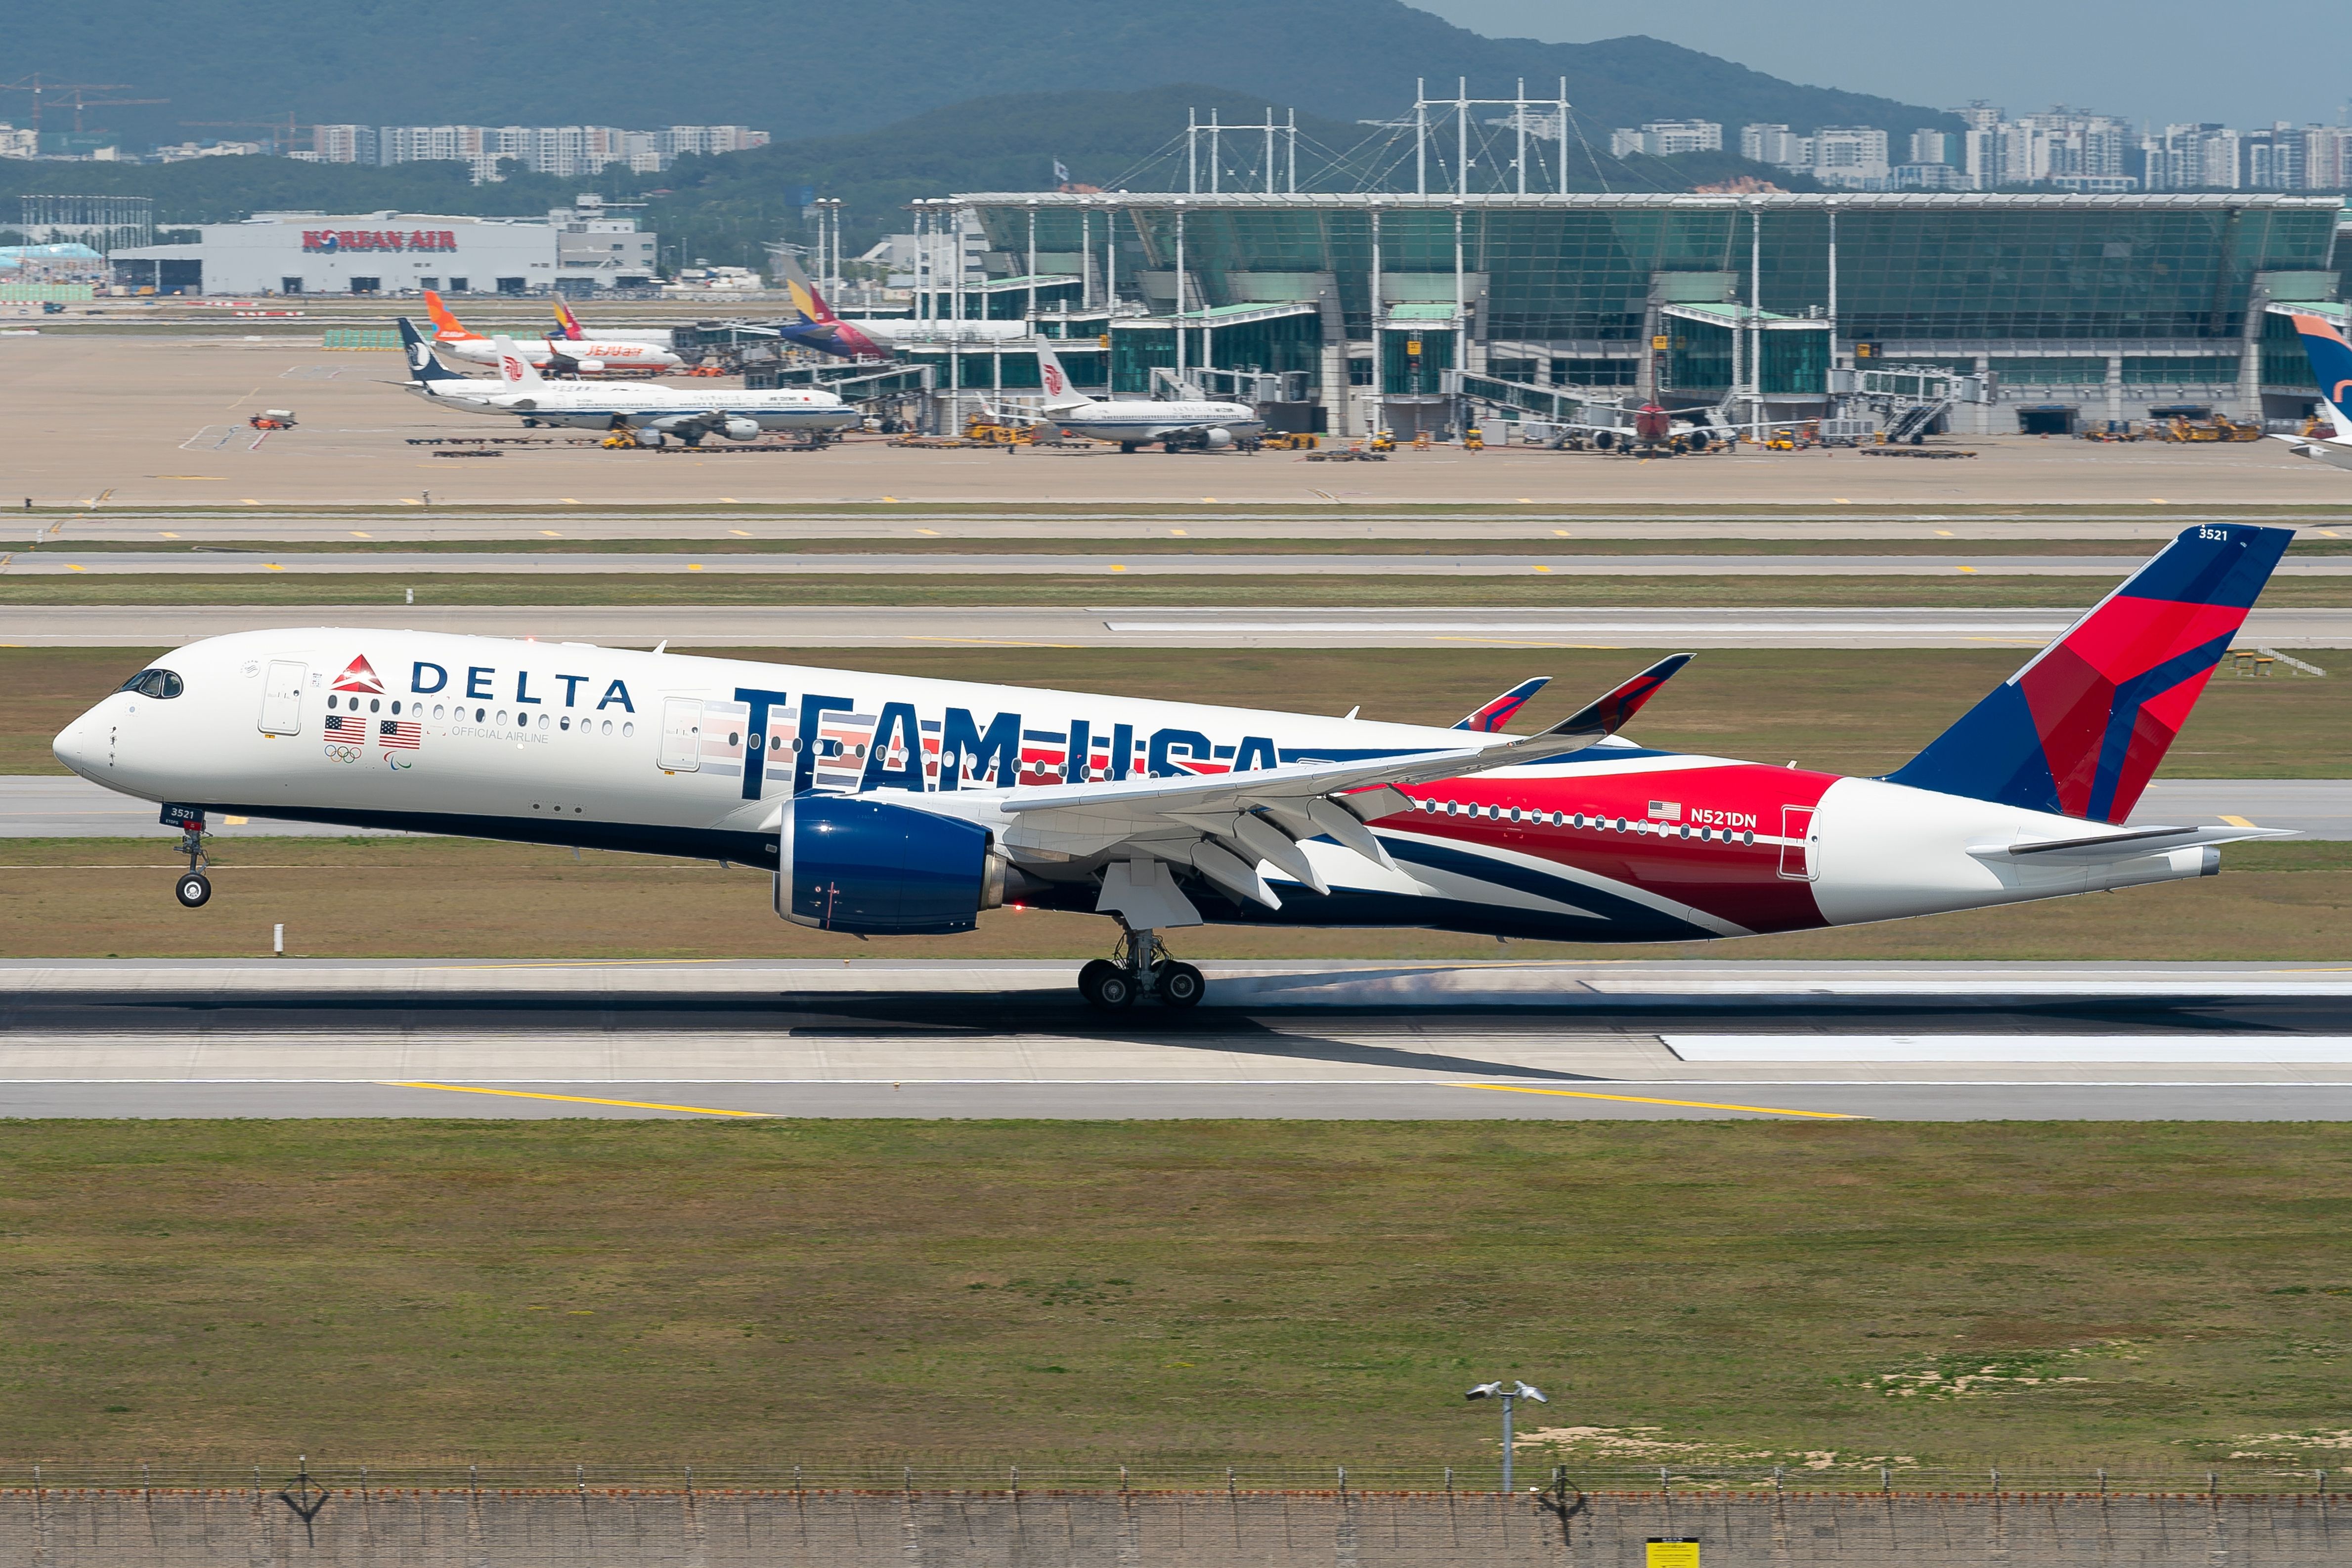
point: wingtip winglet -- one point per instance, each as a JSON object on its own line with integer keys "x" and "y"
{"x": 1610, "y": 712}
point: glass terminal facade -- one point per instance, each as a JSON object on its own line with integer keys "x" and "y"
{"x": 1374, "y": 304}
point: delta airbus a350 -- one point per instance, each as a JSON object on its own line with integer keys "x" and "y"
{"x": 886, "y": 804}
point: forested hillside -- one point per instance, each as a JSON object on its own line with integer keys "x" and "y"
{"x": 725, "y": 208}
{"x": 798, "y": 67}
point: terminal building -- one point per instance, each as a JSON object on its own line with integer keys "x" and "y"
{"x": 573, "y": 250}
{"x": 1411, "y": 312}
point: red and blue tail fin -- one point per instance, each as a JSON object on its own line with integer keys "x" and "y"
{"x": 2080, "y": 729}
{"x": 2331, "y": 362}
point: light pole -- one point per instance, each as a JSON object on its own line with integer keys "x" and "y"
{"x": 1510, "y": 1394}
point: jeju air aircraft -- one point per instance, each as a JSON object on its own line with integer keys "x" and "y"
{"x": 2331, "y": 364}
{"x": 565, "y": 356}
{"x": 650, "y": 413}
{"x": 884, "y": 804}
{"x": 568, "y": 329}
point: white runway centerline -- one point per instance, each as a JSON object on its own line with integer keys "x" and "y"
{"x": 2204, "y": 1050}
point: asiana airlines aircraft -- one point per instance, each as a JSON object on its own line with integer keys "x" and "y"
{"x": 883, "y": 805}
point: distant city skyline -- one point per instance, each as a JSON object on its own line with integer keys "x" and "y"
{"x": 2170, "y": 61}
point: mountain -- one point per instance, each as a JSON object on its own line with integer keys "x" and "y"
{"x": 798, "y": 69}
{"x": 725, "y": 208}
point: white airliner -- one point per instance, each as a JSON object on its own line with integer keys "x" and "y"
{"x": 652, "y": 412}
{"x": 885, "y": 805}
{"x": 1139, "y": 421}
{"x": 632, "y": 353}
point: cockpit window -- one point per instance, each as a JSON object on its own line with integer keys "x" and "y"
{"x": 156, "y": 683}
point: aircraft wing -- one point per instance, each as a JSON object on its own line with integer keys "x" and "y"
{"x": 1224, "y": 825}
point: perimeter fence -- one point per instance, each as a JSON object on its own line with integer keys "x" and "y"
{"x": 902, "y": 1514}
{"x": 917, "y": 1474}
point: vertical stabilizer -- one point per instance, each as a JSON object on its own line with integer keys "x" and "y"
{"x": 447, "y": 328}
{"x": 1056, "y": 381}
{"x": 2083, "y": 726}
{"x": 2331, "y": 364}
{"x": 516, "y": 373}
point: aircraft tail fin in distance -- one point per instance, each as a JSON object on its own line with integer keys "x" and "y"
{"x": 568, "y": 325}
{"x": 515, "y": 371}
{"x": 424, "y": 365}
{"x": 2083, "y": 726}
{"x": 447, "y": 328}
{"x": 2331, "y": 364}
{"x": 808, "y": 302}
{"x": 1613, "y": 710}
{"x": 1490, "y": 719}
{"x": 1056, "y": 380}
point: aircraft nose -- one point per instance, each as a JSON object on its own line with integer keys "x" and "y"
{"x": 81, "y": 745}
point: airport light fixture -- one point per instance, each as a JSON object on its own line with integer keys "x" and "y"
{"x": 1510, "y": 1393}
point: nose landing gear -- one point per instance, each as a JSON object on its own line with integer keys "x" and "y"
{"x": 194, "y": 890}
{"x": 1140, "y": 967}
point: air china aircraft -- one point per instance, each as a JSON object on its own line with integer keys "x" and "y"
{"x": 2331, "y": 361}
{"x": 1139, "y": 421}
{"x": 889, "y": 805}
{"x": 571, "y": 355}
{"x": 654, "y": 413}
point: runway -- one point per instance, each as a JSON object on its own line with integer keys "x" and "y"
{"x": 47, "y": 806}
{"x": 1807, "y": 1042}
{"x": 294, "y": 563}
{"x": 884, "y": 625}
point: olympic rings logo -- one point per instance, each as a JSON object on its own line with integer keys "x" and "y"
{"x": 343, "y": 753}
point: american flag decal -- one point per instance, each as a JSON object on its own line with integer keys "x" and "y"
{"x": 393, "y": 734}
{"x": 347, "y": 727}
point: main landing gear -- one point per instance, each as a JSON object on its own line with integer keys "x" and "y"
{"x": 1140, "y": 967}
{"x": 194, "y": 890}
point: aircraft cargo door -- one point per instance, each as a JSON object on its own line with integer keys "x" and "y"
{"x": 1797, "y": 843}
{"x": 281, "y": 697}
{"x": 681, "y": 735}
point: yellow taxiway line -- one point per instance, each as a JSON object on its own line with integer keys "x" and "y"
{"x": 573, "y": 1098}
{"x": 1684, "y": 1104}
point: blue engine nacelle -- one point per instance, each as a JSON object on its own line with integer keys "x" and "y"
{"x": 849, "y": 864}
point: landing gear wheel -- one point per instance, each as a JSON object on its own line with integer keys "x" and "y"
{"x": 193, "y": 891}
{"x": 1090, "y": 978}
{"x": 1114, "y": 991}
{"x": 1181, "y": 985}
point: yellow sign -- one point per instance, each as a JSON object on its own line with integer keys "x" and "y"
{"x": 1103, "y": 340}
{"x": 1413, "y": 345}
{"x": 1661, "y": 342}
{"x": 1676, "y": 1554}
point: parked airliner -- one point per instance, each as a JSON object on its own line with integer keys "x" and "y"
{"x": 2331, "y": 364}
{"x": 574, "y": 354}
{"x": 1138, "y": 422}
{"x": 654, "y": 413}
{"x": 884, "y": 804}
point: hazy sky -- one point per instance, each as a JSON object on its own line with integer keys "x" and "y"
{"x": 2155, "y": 60}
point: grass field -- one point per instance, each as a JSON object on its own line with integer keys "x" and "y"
{"x": 1538, "y": 590}
{"x": 1858, "y": 711}
{"x": 2110, "y": 1293}
{"x": 432, "y": 896}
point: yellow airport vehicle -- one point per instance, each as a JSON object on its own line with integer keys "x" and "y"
{"x": 1289, "y": 441}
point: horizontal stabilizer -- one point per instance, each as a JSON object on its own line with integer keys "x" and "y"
{"x": 2124, "y": 846}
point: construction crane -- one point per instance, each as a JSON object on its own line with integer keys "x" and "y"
{"x": 79, "y": 91}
